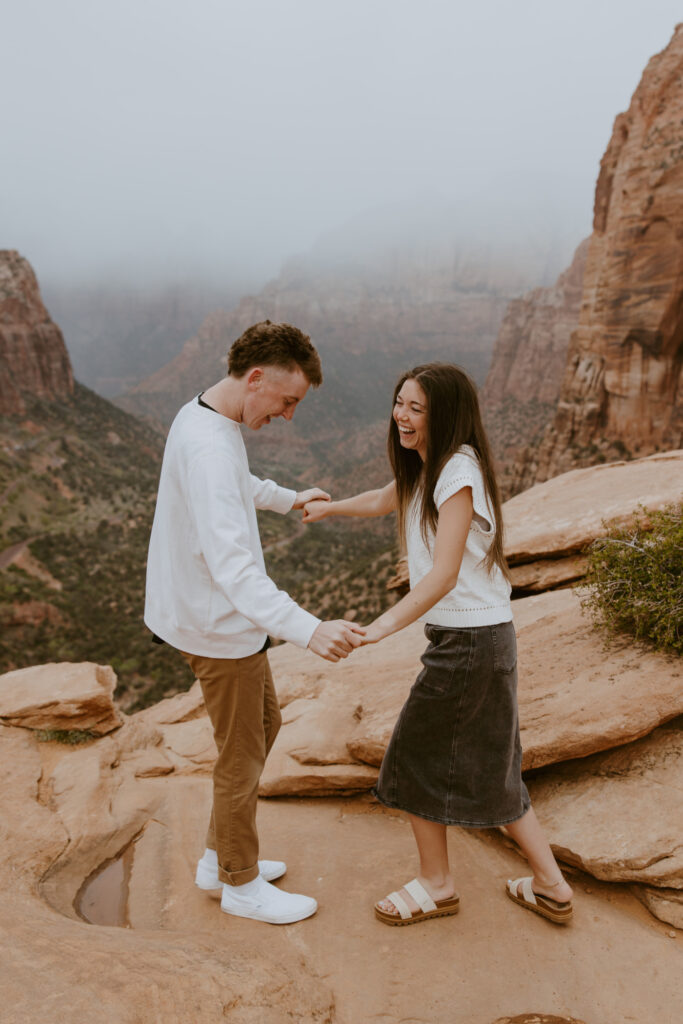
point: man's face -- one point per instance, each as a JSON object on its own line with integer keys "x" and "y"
{"x": 272, "y": 391}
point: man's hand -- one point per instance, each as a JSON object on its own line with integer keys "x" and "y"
{"x": 315, "y": 510}
{"x": 336, "y": 639}
{"x": 312, "y": 494}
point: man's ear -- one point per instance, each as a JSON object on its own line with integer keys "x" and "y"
{"x": 254, "y": 378}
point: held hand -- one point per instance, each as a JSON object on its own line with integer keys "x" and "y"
{"x": 315, "y": 510}
{"x": 374, "y": 633}
{"x": 336, "y": 639}
{"x": 312, "y": 494}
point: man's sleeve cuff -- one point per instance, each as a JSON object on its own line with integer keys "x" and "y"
{"x": 284, "y": 500}
{"x": 302, "y": 629}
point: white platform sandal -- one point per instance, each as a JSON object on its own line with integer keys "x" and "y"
{"x": 559, "y": 913}
{"x": 428, "y": 907}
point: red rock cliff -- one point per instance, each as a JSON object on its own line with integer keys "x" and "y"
{"x": 621, "y": 391}
{"x": 33, "y": 356}
{"x": 523, "y": 384}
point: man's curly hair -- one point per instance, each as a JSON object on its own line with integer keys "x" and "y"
{"x": 269, "y": 344}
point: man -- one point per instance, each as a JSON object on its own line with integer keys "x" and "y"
{"x": 209, "y": 596}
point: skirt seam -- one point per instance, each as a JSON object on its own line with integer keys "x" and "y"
{"x": 456, "y": 730}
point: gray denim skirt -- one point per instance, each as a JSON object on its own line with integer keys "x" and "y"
{"x": 455, "y": 756}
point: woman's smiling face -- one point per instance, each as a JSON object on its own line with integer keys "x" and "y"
{"x": 410, "y": 416}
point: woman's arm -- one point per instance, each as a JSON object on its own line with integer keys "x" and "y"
{"x": 455, "y": 516}
{"x": 370, "y": 503}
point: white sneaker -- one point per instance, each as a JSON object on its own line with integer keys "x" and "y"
{"x": 264, "y": 902}
{"x": 206, "y": 876}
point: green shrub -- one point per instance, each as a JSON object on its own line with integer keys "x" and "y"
{"x": 635, "y": 578}
{"x": 70, "y": 736}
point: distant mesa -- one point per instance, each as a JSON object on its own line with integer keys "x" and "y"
{"x": 33, "y": 357}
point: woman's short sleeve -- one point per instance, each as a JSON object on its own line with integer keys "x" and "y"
{"x": 462, "y": 470}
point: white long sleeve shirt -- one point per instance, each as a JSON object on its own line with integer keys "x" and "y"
{"x": 207, "y": 588}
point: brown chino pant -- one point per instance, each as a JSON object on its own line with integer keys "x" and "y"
{"x": 242, "y": 705}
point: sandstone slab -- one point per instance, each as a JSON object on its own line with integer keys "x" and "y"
{"x": 60, "y": 696}
{"x": 665, "y": 904}
{"x": 578, "y": 695}
{"x": 190, "y": 745}
{"x": 547, "y": 573}
{"x": 183, "y": 707}
{"x": 285, "y": 776}
{"x": 618, "y": 815}
{"x": 562, "y": 516}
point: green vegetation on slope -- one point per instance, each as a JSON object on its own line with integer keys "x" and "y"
{"x": 636, "y": 579}
{"x": 77, "y": 490}
{"x": 337, "y": 567}
{"x": 77, "y": 487}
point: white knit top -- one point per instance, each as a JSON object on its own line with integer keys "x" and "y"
{"x": 479, "y": 598}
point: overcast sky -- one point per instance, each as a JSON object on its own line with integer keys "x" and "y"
{"x": 162, "y": 139}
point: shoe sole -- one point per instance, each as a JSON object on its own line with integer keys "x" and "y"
{"x": 556, "y": 917}
{"x": 286, "y": 919}
{"x": 449, "y": 908}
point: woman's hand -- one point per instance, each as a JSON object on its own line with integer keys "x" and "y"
{"x": 313, "y": 494}
{"x": 375, "y": 632}
{"x": 315, "y": 510}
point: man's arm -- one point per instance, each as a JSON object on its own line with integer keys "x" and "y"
{"x": 269, "y": 495}
{"x": 223, "y": 529}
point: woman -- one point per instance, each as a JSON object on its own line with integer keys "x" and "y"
{"x": 454, "y": 757}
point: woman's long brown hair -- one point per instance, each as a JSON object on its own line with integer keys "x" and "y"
{"x": 453, "y": 419}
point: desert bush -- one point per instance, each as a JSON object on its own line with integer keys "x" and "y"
{"x": 635, "y": 579}
{"x": 70, "y": 736}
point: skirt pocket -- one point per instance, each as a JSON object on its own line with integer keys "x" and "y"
{"x": 446, "y": 661}
{"x": 504, "y": 643}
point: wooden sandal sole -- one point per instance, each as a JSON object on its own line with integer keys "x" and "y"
{"x": 559, "y": 916}
{"x": 444, "y": 908}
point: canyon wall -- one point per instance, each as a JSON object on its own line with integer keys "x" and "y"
{"x": 33, "y": 356}
{"x": 520, "y": 395}
{"x": 621, "y": 391}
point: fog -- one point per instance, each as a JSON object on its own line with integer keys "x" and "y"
{"x": 156, "y": 140}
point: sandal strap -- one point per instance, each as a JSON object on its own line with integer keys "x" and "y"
{"x": 527, "y": 892}
{"x": 420, "y": 895}
{"x": 400, "y": 904}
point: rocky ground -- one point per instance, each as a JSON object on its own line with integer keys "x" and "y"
{"x": 181, "y": 960}
{"x": 135, "y": 800}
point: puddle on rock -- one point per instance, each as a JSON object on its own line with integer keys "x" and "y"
{"x": 103, "y": 898}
